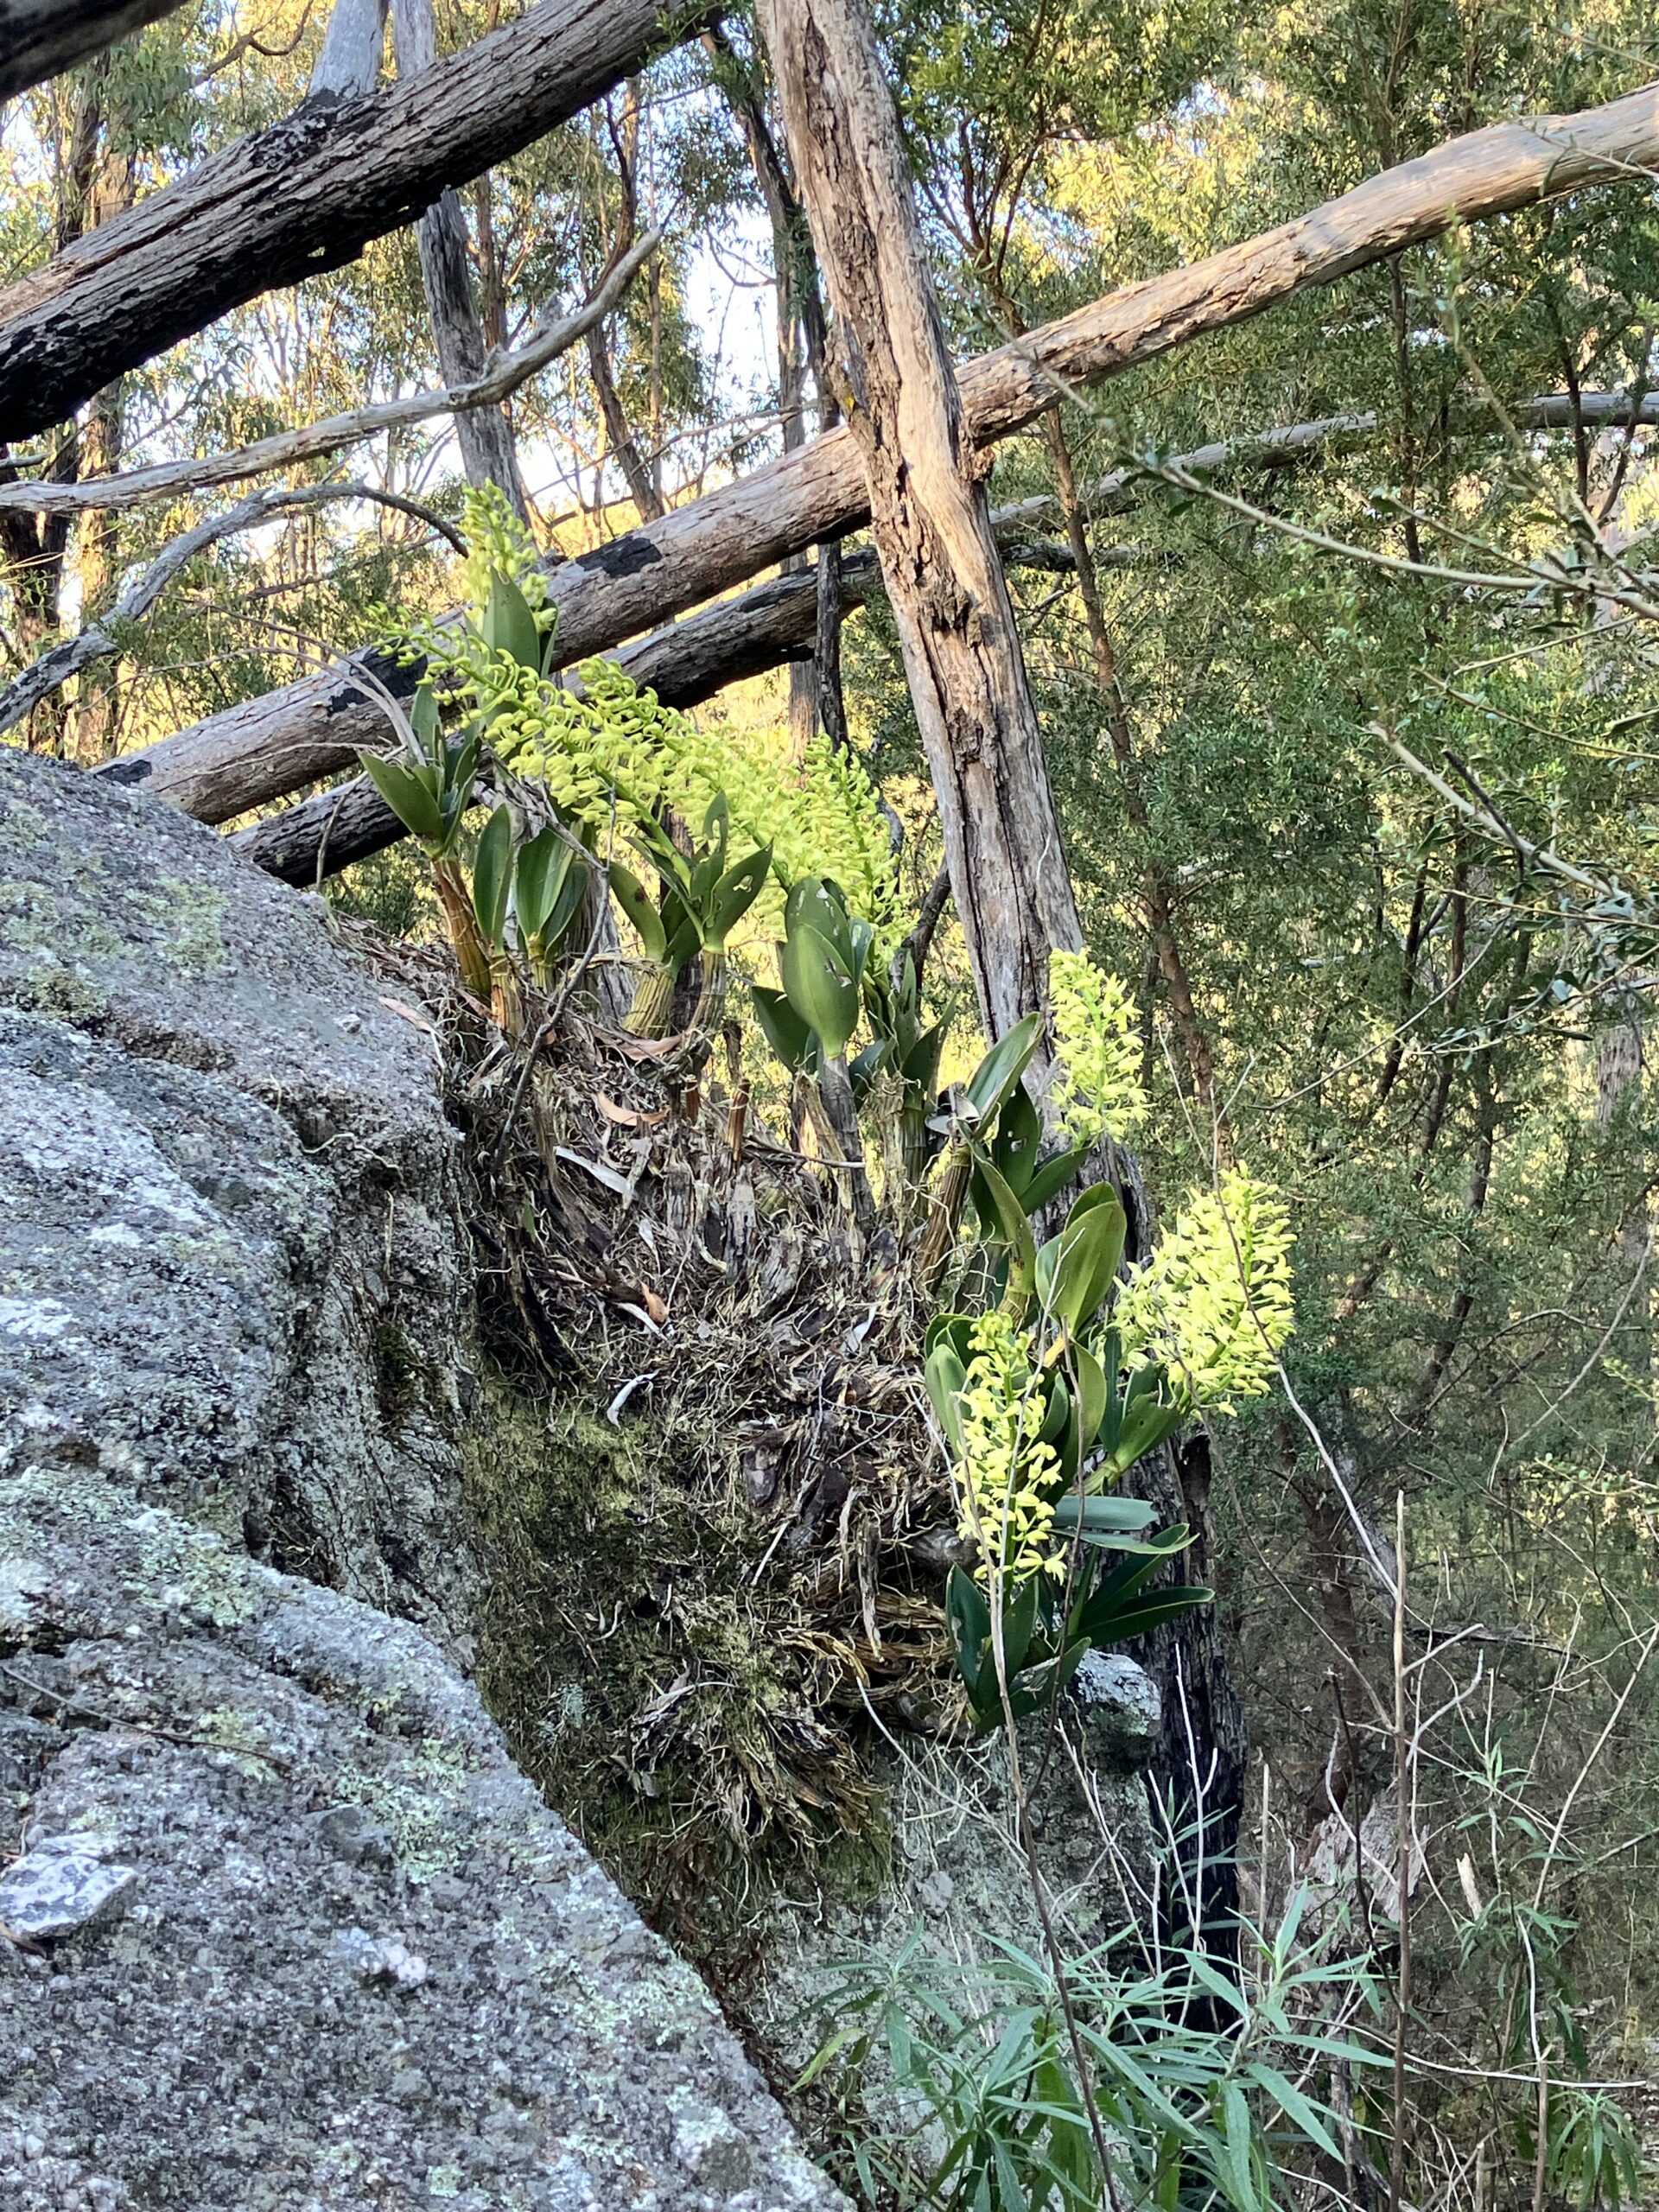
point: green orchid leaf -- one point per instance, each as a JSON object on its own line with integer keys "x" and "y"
{"x": 1146, "y": 1424}
{"x": 1088, "y": 1390}
{"x": 814, "y": 904}
{"x": 1048, "y": 1179}
{"x": 1113, "y": 1516}
{"x": 945, "y": 1372}
{"x": 544, "y": 867}
{"x": 988, "y": 1086}
{"x": 509, "y": 626}
{"x": 860, "y": 938}
{"x": 1014, "y": 1230}
{"x": 1077, "y": 1268}
{"x": 961, "y": 1597}
{"x": 920, "y": 1065}
{"x": 733, "y": 894}
{"x": 783, "y": 1028}
{"x": 820, "y": 990}
{"x": 492, "y": 876}
{"x": 1019, "y": 1625}
{"x": 635, "y": 901}
{"x": 424, "y": 721}
{"x": 408, "y": 796}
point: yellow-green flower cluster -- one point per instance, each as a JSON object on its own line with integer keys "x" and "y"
{"x": 1213, "y": 1303}
{"x": 1008, "y": 1476}
{"x": 1097, "y": 1054}
{"x": 616, "y": 741}
{"x": 498, "y": 544}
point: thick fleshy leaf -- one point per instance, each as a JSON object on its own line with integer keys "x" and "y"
{"x": 816, "y": 905}
{"x": 946, "y": 1370}
{"x": 424, "y": 721}
{"x": 1147, "y": 1421}
{"x": 920, "y": 1065}
{"x": 1113, "y": 1517}
{"x": 408, "y": 796}
{"x": 783, "y": 1028}
{"x": 1087, "y": 1391}
{"x": 820, "y": 990}
{"x": 1018, "y": 1142}
{"x": 1048, "y": 1181}
{"x": 544, "y": 862}
{"x": 733, "y": 894}
{"x": 492, "y": 876}
{"x": 1077, "y": 1268}
{"x": 634, "y": 899}
{"x": 509, "y": 625}
{"x": 1014, "y": 1230}
{"x": 988, "y": 1086}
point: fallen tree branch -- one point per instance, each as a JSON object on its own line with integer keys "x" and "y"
{"x": 303, "y": 196}
{"x": 41, "y": 38}
{"x": 55, "y": 668}
{"x": 714, "y": 543}
{"x": 286, "y": 449}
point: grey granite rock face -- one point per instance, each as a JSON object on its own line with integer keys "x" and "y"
{"x": 281, "y": 1924}
{"x": 227, "y": 1271}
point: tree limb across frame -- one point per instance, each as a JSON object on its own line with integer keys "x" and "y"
{"x": 301, "y": 197}
{"x": 41, "y": 38}
{"x": 286, "y": 448}
{"x": 235, "y": 759}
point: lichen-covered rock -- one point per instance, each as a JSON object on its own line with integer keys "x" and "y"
{"x": 357, "y": 1962}
{"x": 281, "y": 1924}
{"x": 227, "y": 1268}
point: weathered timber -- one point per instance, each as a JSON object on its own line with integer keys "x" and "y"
{"x": 932, "y": 520}
{"x": 303, "y": 196}
{"x": 714, "y": 543}
{"x": 41, "y": 38}
{"x": 683, "y": 665}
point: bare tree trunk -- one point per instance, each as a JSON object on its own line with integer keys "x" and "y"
{"x": 41, "y": 38}
{"x": 931, "y": 521}
{"x": 619, "y": 431}
{"x": 484, "y": 434}
{"x": 353, "y": 46}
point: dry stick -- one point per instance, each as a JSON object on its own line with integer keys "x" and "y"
{"x": 55, "y": 668}
{"x": 722, "y": 539}
{"x": 1404, "y": 1823}
{"x": 502, "y": 377}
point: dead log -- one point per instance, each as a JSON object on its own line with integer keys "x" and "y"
{"x": 714, "y": 543}
{"x": 932, "y": 520}
{"x": 41, "y": 38}
{"x": 304, "y": 196}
